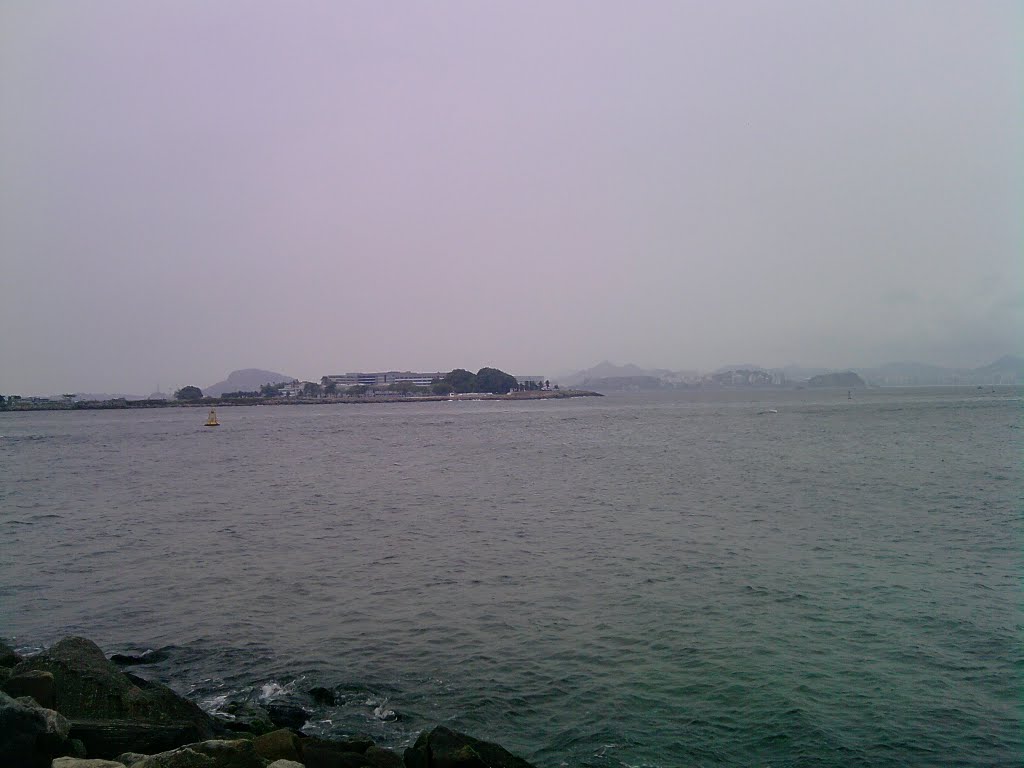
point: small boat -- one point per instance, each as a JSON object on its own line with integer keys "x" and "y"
{"x": 211, "y": 420}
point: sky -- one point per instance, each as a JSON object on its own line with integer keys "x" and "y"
{"x": 191, "y": 187}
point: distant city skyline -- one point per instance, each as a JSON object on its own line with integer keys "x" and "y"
{"x": 191, "y": 188}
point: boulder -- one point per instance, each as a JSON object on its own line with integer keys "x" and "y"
{"x": 33, "y": 682}
{"x": 237, "y": 753}
{"x": 113, "y": 712}
{"x": 130, "y": 758}
{"x": 31, "y": 735}
{"x": 8, "y": 658}
{"x": 128, "y": 660}
{"x": 20, "y": 726}
{"x": 324, "y": 753}
{"x": 378, "y": 757}
{"x": 279, "y": 745}
{"x": 445, "y": 748}
{"x": 81, "y": 762}
{"x": 241, "y": 715}
{"x": 287, "y": 715}
{"x": 285, "y": 764}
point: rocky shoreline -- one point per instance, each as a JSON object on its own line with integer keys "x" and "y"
{"x": 72, "y": 707}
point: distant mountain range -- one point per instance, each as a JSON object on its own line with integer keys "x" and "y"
{"x": 610, "y": 377}
{"x": 245, "y": 380}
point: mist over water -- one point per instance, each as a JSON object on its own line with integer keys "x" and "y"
{"x": 634, "y": 580}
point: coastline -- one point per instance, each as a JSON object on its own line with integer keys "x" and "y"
{"x": 216, "y": 402}
{"x": 72, "y": 706}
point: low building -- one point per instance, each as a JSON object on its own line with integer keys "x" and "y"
{"x": 384, "y": 378}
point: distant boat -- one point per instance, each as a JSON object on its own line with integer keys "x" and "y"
{"x": 767, "y": 411}
{"x": 211, "y": 420}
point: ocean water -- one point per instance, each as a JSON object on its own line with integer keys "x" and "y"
{"x": 625, "y": 581}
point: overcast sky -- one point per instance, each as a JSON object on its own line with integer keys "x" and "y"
{"x": 188, "y": 188}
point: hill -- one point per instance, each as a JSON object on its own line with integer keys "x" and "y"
{"x": 245, "y": 380}
{"x": 608, "y": 370}
{"x": 846, "y": 379}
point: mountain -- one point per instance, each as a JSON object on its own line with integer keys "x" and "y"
{"x": 1006, "y": 370}
{"x": 1007, "y": 365}
{"x": 847, "y": 379}
{"x": 245, "y": 380}
{"x": 607, "y": 370}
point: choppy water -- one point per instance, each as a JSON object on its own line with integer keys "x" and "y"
{"x": 627, "y": 581}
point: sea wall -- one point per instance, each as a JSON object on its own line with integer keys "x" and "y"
{"x": 72, "y": 707}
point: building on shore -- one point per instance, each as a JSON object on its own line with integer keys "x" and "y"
{"x": 384, "y": 378}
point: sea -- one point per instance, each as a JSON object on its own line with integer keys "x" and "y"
{"x": 733, "y": 578}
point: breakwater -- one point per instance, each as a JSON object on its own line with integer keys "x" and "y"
{"x": 69, "y": 705}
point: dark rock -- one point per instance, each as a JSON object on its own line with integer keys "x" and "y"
{"x": 130, "y": 758}
{"x": 8, "y": 658}
{"x": 109, "y": 738}
{"x": 378, "y": 757}
{"x": 20, "y": 726}
{"x": 282, "y": 744}
{"x": 31, "y": 735}
{"x": 112, "y": 712}
{"x": 445, "y": 748}
{"x": 127, "y": 660}
{"x": 239, "y": 753}
{"x": 35, "y": 683}
{"x": 287, "y": 715}
{"x": 241, "y": 715}
{"x": 81, "y": 762}
{"x": 324, "y": 753}
{"x": 323, "y": 696}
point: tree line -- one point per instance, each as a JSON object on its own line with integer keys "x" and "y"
{"x": 460, "y": 381}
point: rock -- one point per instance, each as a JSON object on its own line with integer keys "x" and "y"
{"x": 240, "y": 715}
{"x": 324, "y": 753}
{"x": 20, "y": 726}
{"x": 81, "y": 762}
{"x": 109, "y": 738}
{"x": 130, "y": 758}
{"x": 323, "y": 696}
{"x": 378, "y": 757}
{"x": 237, "y": 753}
{"x": 148, "y": 657}
{"x": 33, "y": 682}
{"x": 279, "y": 745}
{"x": 445, "y": 748}
{"x": 285, "y": 764}
{"x": 112, "y": 712}
{"x": 287, "y": 715}
{"x": 8, "y": 658}
{"x": 31, "y": 735}
{"x": 56, "y": 723}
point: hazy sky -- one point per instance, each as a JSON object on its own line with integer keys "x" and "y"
{"x": 187, "y": 188}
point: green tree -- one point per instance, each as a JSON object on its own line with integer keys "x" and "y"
{"x": 330, "y": 387}
{"x": 189, "y": 393}
{"x": 310, "y": 389}
{"x": 272, "y": 390}
{"x": 460, "y": 380}
{"x": 440, "y": 387}
{"x": 357, "y": 390}
{"x": 3, "y": 403}
{"x": 494, "y": 381}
